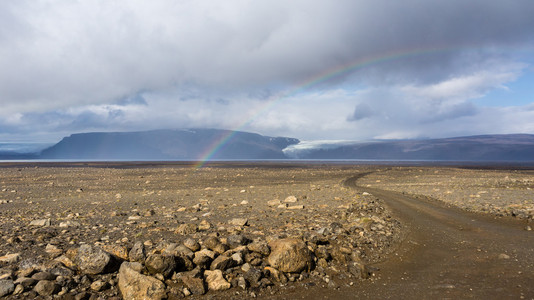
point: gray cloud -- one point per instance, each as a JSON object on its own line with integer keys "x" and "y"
{"x": 131, "y": 65}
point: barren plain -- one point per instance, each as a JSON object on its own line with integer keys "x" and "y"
{"x": 169, "y": 230}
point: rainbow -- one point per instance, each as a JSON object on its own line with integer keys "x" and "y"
{"x": 310, "y": 82}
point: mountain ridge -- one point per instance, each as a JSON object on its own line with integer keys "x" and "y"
{"x": 201, "y": 144}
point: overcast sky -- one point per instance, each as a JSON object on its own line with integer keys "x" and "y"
{"x": 349, "y": 70}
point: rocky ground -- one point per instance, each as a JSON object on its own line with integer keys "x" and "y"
{"x": 498, "y": 192}
{"x": 173, "y": 231}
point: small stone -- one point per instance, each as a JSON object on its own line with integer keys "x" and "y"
{"x": 25, "y": 282}
{"x": 359, "y": 270}
{"x": 236, "y": 240}
{"x": 216, "y": 281}
{"x": 260, "y": 247}
{"x": 53, "y": 250}
{"x": 137, "y": 253}
{"x": 242, "y": 283}
{"x": 246, "y": 267}
{"x": 185, "y": 229}
{"x": 195, "y": 285}
{"x": 253, "y": 276}
{"x": 99, "y": 285}
{"x": 238, "y": 222}
{"x": 69, "y": 224}
{"x": 44, "y": 276}
{"x": 204, "y": 225}
{"x": 213, "y": 243}
{"x": 19, "y": 289}
{"x": 10, "y": 258}
{"x": 192, "y": 244}
{"x": 6, "y": 287}
{"x": 67, "y": 262}
{"x": 274, "y": 202}
{"x": 120, "y": 252}
{"x": 222, "y": 262}
{"x": 40, "y": 223}
{"x": 504, "y": 256}
{"x": 296, "y": 207}
{"x": 186, "y": 292}
{"x": 46, "y": 288}
{"x": 528, "y": 228}
{"x": 291, "y": 199}
{"x": 276, "y": 275}
{"x": 160, "y": 264}
{"x": 203, "y": 258}
{"x": 238, "y": 258}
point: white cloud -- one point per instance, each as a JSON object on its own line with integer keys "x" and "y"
{"x": 72, "y": 65}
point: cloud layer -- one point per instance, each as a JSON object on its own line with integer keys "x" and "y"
{"x": 417, "y": 66}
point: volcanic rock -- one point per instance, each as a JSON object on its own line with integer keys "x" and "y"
{"x": 92, "y": 260}
{"x": 290, "y": 255}
{"x": 216, "y": 281}
{"x": 134, "y": 285}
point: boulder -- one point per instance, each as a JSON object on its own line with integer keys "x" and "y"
{"x": 238, "y": 222}
{"x": 92, "y": 260}
{"x": 290, "y": 255}
{"x": 134, "y": 285}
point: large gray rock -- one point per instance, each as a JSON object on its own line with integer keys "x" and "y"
{"x": 163, "y": 264}
{"x": 92, "y": 260}
{"x": 133, "y": 285}
{"x": 6, "y": 287}
{"x": 216, "y": 281}
{"x": 290, "y": 255}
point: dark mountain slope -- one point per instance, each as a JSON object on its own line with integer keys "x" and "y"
{"x": 513, "y": 147}
{"x": 169, "y": 144}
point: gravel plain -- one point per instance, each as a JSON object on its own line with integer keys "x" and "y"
{"x": 58, "y": 223}
{"x": 500, "y": 192}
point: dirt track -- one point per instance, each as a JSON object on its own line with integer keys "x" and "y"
{"x": 450, "y": 254}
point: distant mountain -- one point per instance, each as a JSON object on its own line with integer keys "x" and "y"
{"x": 509, "y": 147}
{"x": 187, "y": 144}
{"x": 194, "y": 144}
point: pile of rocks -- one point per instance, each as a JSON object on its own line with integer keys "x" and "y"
{"x": 170, "y": 270}
{"x": 212, "y": 263}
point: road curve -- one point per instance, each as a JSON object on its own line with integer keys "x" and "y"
{"x": 448, "y": 253}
